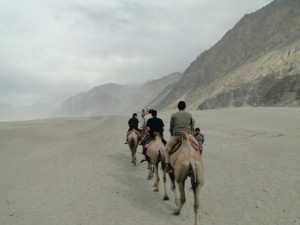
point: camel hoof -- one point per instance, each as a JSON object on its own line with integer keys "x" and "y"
{"x": 155, "y": 190}
{"x": 176, "y": 213}
{"x": 149, "y": 177}
{"x": 166, "y": 198}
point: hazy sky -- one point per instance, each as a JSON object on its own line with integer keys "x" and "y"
{"x": 53, "y": 49}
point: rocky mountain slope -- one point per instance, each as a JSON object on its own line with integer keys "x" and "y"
{"x": 262, "y": 51}
{"x": 256, "y": 63}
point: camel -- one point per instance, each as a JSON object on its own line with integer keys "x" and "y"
{"x": 133, "y": 139}
{"x": 186, "y": 161}
{"x": 155, "y": 155}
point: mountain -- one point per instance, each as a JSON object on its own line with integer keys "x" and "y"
{"x": 114, "y": 99}
{"x": 256, "y": 63}
{"x": 261, "y": 52}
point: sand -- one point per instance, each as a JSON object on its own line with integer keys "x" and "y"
{"x": 77, "y": 171}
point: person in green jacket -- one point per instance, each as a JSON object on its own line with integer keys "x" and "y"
{"x": 180, "y": 121}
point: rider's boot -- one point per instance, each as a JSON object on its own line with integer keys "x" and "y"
{"x": 144, "y": 155}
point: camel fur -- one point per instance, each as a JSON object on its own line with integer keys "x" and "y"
{"x": 186, "y": 163}
{"x": 133, "y": 142}
{"x": 155, "y": 155}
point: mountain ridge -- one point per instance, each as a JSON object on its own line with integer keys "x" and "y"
{"x": 248, "y": 41}
{"x": 254, "y": 59}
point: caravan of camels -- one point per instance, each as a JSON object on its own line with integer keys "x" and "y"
{"x": 179, "y": 160}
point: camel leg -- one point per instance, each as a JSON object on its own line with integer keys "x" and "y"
{"x": 156, "y": 183}
{"x": 150, "y": 171}
{"x": 133, "y": 144}
{"x": 163, "y": 164}
{"x": 133, "y": 157}
{"x": 132, "y": 160}
{"x": 180, "y": 202}
{"x": 173, "y": 185}
{"x": 196, "y": 186}
{"x": 196, "y": 191}
{"x": 166, "y": 197}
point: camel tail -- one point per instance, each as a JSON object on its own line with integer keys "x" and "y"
{"x": 193, "y": 168}
{"x": 132, "y": 142}
{"x": 161, "y": 157}
{"x": 197, "y": 173}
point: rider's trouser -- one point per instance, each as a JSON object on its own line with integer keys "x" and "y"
{"x": 170, "y": 144}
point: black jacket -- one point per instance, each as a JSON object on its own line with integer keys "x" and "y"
{"x": 156, "y": 125}
{"x": 133, "y": 123}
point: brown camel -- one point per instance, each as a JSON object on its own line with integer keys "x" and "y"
{"x": 133, "y": 139}
{"x": 186, "y": 161}
{"x": 155, "y": 156}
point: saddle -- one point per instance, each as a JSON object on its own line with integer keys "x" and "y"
{"x": 148, "y": 139}
{"x": 193, "y": 143}
{"x": 146, "y": 145}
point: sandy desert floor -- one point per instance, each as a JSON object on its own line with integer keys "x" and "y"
{"x": 77, "y": 171}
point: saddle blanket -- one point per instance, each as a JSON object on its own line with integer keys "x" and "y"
{"x": 193, "y": 143}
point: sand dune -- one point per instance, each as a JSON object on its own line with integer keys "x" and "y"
{"x": 77, "y": 171}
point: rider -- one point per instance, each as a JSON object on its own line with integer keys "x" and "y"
{"x": 154, "y": 124}
{"x": 146, "y": 114}
{"x": 180, "y": 121}
{"x": 133, "y": 123}
{"x": 145, "y": 134}
{"x": 199, "y": 137}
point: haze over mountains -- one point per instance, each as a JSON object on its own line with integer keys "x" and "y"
{"x": 114, "y": 99}
{"x": 10, "y": 112}
{"x": 256, "y": 63}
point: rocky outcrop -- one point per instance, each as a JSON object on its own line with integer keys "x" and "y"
{"x": 256, "y": 63}
{"x": 266, "y": 91}
{"x": 262, "y": 44}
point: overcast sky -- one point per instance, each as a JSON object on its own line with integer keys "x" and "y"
{"x": 53, "y": 49}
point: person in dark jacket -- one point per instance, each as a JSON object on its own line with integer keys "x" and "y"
{"x": 154, "y": 124}
{"x": 133, "y": 123}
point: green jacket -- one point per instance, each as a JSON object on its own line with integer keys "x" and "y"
{"x": 181, "y": 121}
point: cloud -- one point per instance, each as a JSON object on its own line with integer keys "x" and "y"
{"x": 51, "y": 50}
